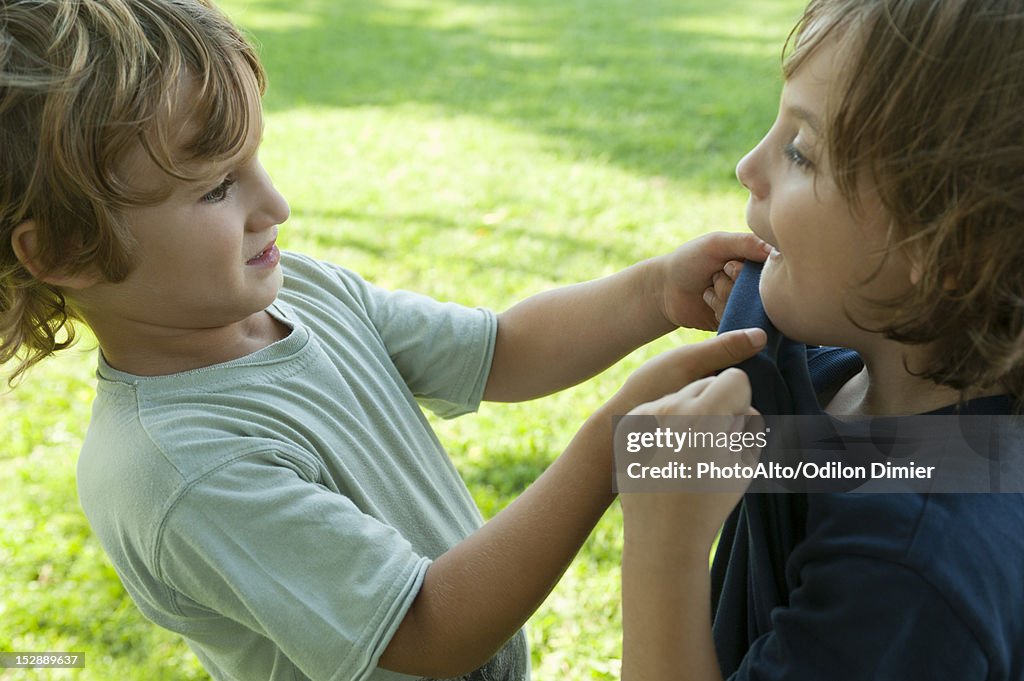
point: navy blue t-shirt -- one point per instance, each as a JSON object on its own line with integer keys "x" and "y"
{"x": 862, "y": 586}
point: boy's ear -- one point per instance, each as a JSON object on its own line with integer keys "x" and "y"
{"x": 24, "y": 241}
{"x": 915, "y": 277}
{"x": 915, "y": 273}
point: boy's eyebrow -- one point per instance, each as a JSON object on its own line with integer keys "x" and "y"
{"x": 802, "y": 114}
{"x": 224, "y": 167}
{"x": 212, "y": 174}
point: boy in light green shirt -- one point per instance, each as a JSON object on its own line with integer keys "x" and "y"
{"x": 257, "y": 466}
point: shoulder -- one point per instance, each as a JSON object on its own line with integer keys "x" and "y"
{"x": 332, "y": 295}
{"x": 135, "y": 464}
{"x": 149, "y": 442}
{"x": 309, "y": 279}
{"x": 299, "y": 266}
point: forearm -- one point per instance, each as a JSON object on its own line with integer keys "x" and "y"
{"x": 562, "y": 337}
{"x": 668, "y": 537}
{"x": 479, "y": 593}
{"x": 666, "y": 611}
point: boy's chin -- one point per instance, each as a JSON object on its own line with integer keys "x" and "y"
{"x": 787, "y": 321}
{"x": 792, "y": 318}
{"x": 779, "y": 312}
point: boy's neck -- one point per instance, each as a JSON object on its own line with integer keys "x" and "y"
{"x": 884, "y": 387}
{"x": 161, "y": 352}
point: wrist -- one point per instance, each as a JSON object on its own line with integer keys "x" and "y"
{"x": 667, "y": 540}
{"x": 656, "y": 289}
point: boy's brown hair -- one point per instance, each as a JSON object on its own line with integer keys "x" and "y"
{"x": 930, "y": 111}
{"x": 82, "y": 84}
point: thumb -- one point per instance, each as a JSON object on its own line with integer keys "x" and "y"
{"x": 733, "y": 246}
{"x": 714, "y": 354}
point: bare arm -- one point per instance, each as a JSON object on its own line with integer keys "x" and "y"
{"x": 479, "y": 593}
{"x": 666, "y": 583}
{"x": 559, "y": 338}
{"x": 667, "y": 627}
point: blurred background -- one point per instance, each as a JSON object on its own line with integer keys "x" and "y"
{"x": 474, "y": 150}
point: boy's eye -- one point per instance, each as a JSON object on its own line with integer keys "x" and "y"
{"x": 795, "y": 157}
{"x": 220, "y": 192}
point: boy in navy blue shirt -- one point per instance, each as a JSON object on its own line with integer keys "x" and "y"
{"x": 862, "y": 586}
{"x": 889, "y": 187}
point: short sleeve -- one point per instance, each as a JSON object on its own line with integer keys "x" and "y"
{"x": 442, "y": 350}
{"x": 282, "y": 557}
{"x": 854, "y": 618}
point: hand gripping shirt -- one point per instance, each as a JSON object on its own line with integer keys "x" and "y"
{"x": 280, "y": 510}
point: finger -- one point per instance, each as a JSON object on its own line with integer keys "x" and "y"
{"x": 716, "y": 296}
{"x": 670, "y": 404}
{"x": 710, "y": 298}
{"x": 712, "y": 301}
{"x": 728, "y": 393}
{"x": 696, "y": 388}
{"x": 709, "y": 356}
{"x": 725, "y": 395}
{"x": 715, "y": 303}
{"x": 723, "y": 287}
{"x": 738, "y": 246}
{"x": 754, "y": 424}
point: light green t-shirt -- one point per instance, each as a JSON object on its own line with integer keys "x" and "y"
{"x": 280, "y": 510}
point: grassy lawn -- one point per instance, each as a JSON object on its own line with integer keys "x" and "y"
{"x": 475, "y": 150}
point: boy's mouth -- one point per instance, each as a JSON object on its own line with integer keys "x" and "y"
{"x": 269, "y": 254}
{"x": 765, "y": 234}
{"x": 759, "y": 228}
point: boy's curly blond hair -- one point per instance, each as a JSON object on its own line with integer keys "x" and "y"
{"x": 930, "y": 111}
{"x": 82, "y": 83}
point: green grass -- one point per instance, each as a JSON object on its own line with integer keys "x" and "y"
{"x": 478, "y": 151}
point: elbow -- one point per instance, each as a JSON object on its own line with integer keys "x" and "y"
{"x": 433, "y": 651}
{"x": 452, "y": 670}
{"x": 433, "y": 663}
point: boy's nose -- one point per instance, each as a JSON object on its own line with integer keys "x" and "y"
{"x": 277, "y": 206}
{"x": 272, "y": 207}
{"x": 746, "y": 173}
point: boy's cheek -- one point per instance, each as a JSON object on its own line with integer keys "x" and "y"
{"x": 757, "y": 222}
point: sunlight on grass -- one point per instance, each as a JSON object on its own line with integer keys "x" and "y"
{"x": 477, "y": 151}
{"x": 456, "y": 197}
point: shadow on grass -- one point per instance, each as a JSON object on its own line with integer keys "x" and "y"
{"x": 392, "y": 237}
{"x": 650, "y": 86}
